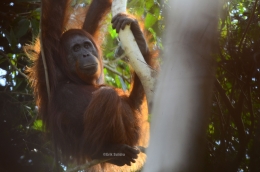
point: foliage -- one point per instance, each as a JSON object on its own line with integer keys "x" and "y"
{"x": 233, "y": 133}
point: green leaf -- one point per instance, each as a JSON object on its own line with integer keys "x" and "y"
{"x": 37, "y": 125}
{"x": 118, "y": 83}
{"x": 36, "y": 14}
{"x": 35, "y": 27}
{"x": 2, "y": 59}
{"x": 110, "y": 54}
{"x": 139, "y": 11}
{"x": 149, "y": 4}
{"x": 13, "y": 40}
{"x": 21, "y": 28}
{"x": 149, "y": 20}
{"x": 211, "y": 129}
{"x": 152, "y": 32}
{"x": 105, "y": 71}
{"x": 12, "y": 62}
{"x": 19, "y": 82}
{"x": 112, "y": 32}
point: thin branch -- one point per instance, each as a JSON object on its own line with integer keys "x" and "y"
{"x": 44, "y": 59}
{"x": 248, "y": 24}
{"x": 116, "y": 72}
{"x": 25, "y": 13}
{"x": 222, "y": 128}
{"x": 236, "y": 115}
{"x": 121, "y": 57}
{"x": 224, "y": 97}
{"x": 154, "y": 70}
{"x": 251, "y": 111}
{"x": 15, "y": 92}
{"x": 6, "y": 57}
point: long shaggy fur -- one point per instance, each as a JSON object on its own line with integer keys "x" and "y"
{"x": 81, "y": 118}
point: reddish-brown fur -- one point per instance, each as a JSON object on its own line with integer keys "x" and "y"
{"x": 83, "y": 117}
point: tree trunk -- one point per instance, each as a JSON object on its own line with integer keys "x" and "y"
{"x": 181, "y": 103}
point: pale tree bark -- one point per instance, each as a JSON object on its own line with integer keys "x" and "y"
{"x": 181, "y": 103}
{"x": 136, "y": 59}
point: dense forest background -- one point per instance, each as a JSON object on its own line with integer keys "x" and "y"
{"x": 234, "y": 128}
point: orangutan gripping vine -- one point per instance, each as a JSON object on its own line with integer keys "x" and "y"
{"x": 86, "y": 119}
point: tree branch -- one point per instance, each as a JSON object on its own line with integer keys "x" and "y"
{"x": 144, "y": 72}
{"x": 116, "y": 72}
{"x": 248, "y": 24}
{"x": 6, "y": 57}
{"x": 44, "y": 59}
{"x": 236, "y": 115}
